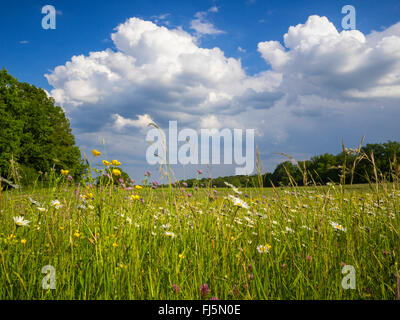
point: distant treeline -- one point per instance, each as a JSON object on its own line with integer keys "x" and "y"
{"x": 349, "y": 166}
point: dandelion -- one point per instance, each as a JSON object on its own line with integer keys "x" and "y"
{"x": 135, "y": 197}
{"x": 138, "y": 187}
{"x": 106, "y": 163}
{"x": 96, "y": 153}
{"x": 77, "y": 234}
{"x": 64, "y": 172}
{"x": 21, "y": 222}
{"x": 263, "y": 248}
{"x": 23, "y": 241}
{"x": 115, "y": 163}
{"x": 116, "y": 172}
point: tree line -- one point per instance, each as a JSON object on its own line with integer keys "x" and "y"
{"x": 351, "y": 166}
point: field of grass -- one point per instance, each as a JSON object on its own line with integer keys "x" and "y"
{"x": 177, "y": 243}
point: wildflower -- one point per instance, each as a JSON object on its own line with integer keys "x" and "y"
{"x": 170, "y": 234}
{"x": 235, "y": 291}
{"x": 115, "y": 163}
{"x": 204, "y": 290}
{"x": 23, "y": 241}
{"x": 36, "y": 203}
{"x": 77, "y": 234}
{"x": 69, "y": 177}
{"x": 61, "y": 228}
{"x": 88, "y": 196}
{"x": 115, "y": 245}
{"x": 21, "y": 222}
{"x": 135, "y": 197}
{"x": 337, "y": 226}
{"x": 41, "y": 209}
{"x": 200, "y": 171}
{"x": 234, "y": 189}
{"x": 138, "y": 187}
{"x": 64, "y": 172}
{"x": 263, "y": 248}
{"x": 106, "y": 163}
{"x": 176, "y": 288}
{"x": 96, "y": 153}
{"x": 238, "y": 202}
{"x": 116, "y": 172}
{"x": 57, "y": 204}
{"x": 181, "y": 256}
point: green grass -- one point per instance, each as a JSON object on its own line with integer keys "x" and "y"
{"x": 117, "y": 248}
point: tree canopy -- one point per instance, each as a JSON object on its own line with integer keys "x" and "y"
{"x": 34, "y": 133}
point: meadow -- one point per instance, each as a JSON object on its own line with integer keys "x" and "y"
{"x": 123, "y": 240}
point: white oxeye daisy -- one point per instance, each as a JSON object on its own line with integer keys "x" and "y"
{"x": 21, "y": 222}
{"x": 56, "y": 204}
{"x": 337, "y": 226}
{"x": 170, "y": 234}
{"x": 41, "y": 209}
{"x": 263, "y": 248}
{"x": 238, "y": 202}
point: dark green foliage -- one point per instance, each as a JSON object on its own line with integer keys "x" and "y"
{"x": 33, "y": 132}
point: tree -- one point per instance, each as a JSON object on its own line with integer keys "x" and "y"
{"x": 33, "y": 131}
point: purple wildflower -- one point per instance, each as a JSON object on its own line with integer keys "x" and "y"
{"x": 204, "y": 290}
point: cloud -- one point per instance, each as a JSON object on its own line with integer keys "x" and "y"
{"x": 346, "y": 65}
{"x": 142, "y": 122}
{"x": 201, "y": 24}
{"x": 318, "y": 86}
{"x": 24, "y": 42}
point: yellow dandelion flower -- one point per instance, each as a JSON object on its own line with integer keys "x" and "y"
{"x": 23, "y": 241}
{"x": 116, "y": 172}
{"x": 96, "y": 153}
{"x": 106, "y": 163}
{"x": 135, "y": 197}
{"x": 64, "y": 172}
{"x": 138, "y": 187}
{"x": 77, "y": 234}
{"x": 115, "y": 163}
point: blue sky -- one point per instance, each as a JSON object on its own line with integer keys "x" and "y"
{"x": 301, "y": 119}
